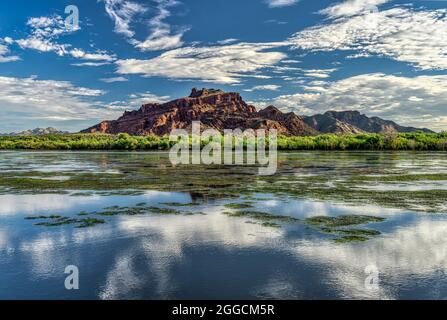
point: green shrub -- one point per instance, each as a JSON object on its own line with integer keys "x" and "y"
{"x": 418, "y": 141}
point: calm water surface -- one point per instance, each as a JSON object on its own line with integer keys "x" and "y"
{"x": 215, "y": 256}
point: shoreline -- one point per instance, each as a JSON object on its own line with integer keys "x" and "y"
{"x": 418, "y": 141}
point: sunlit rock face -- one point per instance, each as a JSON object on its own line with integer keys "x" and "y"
{"x": 214, "y": 109}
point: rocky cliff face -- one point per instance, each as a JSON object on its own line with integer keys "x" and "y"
{"x": 215, "y": 109}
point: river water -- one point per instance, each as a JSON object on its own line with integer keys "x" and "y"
{"x": 205, "y": 253}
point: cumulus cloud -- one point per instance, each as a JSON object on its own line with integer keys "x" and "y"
{"x": 281, "y": 3}
{"x": 4, "y": 51}
{"x": 352, "y": 7}
{"x": 45, "y": 32}
{"x": 219, "y": 64}
{"x": 404, "y": 34}
{"x": 37, "y": 101}
{"x": 414, "y": 101}
{"x": 98, "y": 56}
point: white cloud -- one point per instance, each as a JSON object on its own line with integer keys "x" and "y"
{"x": 268, "y": 87}
{"x": 139, "y": 99}
{"x": 418, "y": 37}
{"x": 219, "y": 64}
{"x": 161, "y": 37}
{"x": 122, "y": 12}
{"x": 99, "y": 56}
{"x": 412, "y": 101}
{"x": 136, "y": 100}
{"x": 352, "y": 7}
{"x": 318, "y": 73}
{"x": 114, "y": 79}
{"x": 90, "y": 64}
{"x": 45, "y": 32}
{"x": 47, "y": 101}
{"x": 291, "y": 61}
{"x": 160, "y": 40}
{"x": 281, "y": 3}
{"x": 227, "y": 41}
{"x": 43, "y": 45}
{"x": 4, "y": 50}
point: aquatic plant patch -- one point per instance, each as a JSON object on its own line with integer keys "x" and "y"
{"x": 340, "y": 226}
{"x": 55, "y": 221}
{"x": 261, "y": 216}
{"x": 245, "y": 205}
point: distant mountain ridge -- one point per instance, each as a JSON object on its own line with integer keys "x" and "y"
{"x": 359, "y": 123}
{"x": 35, "y": 132}
{"x": 216, "y": 109}
{"x": 327, "y": 124}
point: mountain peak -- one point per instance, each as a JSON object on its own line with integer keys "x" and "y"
{"x": 213, "y": 108}
{"x": 220, "y": 110}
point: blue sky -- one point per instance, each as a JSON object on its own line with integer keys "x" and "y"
{"x": 384, "y": 58}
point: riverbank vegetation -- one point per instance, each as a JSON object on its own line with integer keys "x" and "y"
{"x": 369, "y": 141}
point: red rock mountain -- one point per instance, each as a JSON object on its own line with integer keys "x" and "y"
{"x": 213, "y": 108}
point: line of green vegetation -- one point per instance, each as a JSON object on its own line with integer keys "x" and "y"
{"x": 368, "y": 141}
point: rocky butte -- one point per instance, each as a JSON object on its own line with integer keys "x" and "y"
{"x": 216, "y": 109}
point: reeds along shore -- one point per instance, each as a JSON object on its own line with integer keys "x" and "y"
{"x": 418, "y": 141}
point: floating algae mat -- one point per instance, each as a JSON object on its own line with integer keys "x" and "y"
{"x": 139, "y": 209}
{"x": 339, "y": 226}
{"x": 239, "y": 205}
{"x": 178, "y": 204}
{"x": 263, "y": 218}
{"x": 55, "y": 221}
